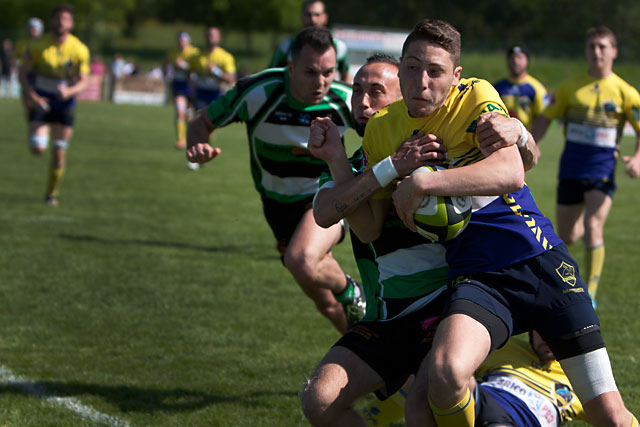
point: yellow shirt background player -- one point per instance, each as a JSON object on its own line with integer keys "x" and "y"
{"x": 59, "y": 64}
{"x": 594, "y": 107}
{"x": 454, "y": 123}
{"x": 523, "y": 95}
{"x": 177, "y": 66}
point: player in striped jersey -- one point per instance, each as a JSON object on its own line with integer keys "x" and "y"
{"x": 594, "y": 107}
{"x": 523, "y": 95}
{"x": 509, "y": 272}
{"x": 60, "y": 68}
{"x": 277, "y": 106}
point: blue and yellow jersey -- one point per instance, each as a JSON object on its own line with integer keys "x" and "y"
{"x": 201, "y": 64}
{"x": 594, "y": 112}
{"x": 516, "y": 372}
{"x": 504, "y": 229}
{"x": 180, "y": 61}
{"x": 524, "y": 99}
{"x": 22, "y": 48}
{"x": 53, "y": 65}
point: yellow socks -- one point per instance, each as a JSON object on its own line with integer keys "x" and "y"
{"x": 634, "y": 422}
{"x": 385, "y": 412}
{"x": 460, "y": 415}
{"x": 594, "y": 258}
{"x": 181, "y": 129}
{"x": 55, "y": 176}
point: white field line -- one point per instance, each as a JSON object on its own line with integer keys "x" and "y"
{"x": 38, "y": 390}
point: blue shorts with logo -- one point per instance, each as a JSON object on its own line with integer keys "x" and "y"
{"x": 544, "y": 293}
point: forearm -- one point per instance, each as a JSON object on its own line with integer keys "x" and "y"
{"x": 498, "y": 174}
{"x": 79, "y": 86}
{"x": 199, "y": 129}
{"x": 348, "y": 198}
{"x": 530, "y": 153}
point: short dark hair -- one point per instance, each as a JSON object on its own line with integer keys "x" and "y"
{"x": 308, "y": 3}
{"x": 318, "y": 38}
{"x": 437, "y": 32}
{"x": 517, "y": 48}
{"x": 382, "y": 58}
{"x": 63, "y": 7}
{"x": 602, "y": 31}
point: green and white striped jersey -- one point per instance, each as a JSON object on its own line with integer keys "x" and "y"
{"x": 282, "y": 167}
{"x": 401, "y": 271}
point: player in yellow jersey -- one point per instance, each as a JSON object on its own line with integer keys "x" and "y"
{"x": 523, "y": 95}
{"x": 594, "y": 108}
{"x": 519, "y": 385}
{"x": 214, "y": 68}
{"x": 60, "y": 67}
{"x": 508, "y": 271}
{"x": 176, "y": 68}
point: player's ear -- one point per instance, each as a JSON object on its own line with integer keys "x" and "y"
{"x": 456, "y": 75}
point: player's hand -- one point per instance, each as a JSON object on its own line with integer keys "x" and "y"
{"x": 324, "y": 140}
{"x": 632, "y": 165}
{"x": 202, "y": 153}
{"x": 407, "y": 198}
{"x": 65, "y": 92}
{"x": 495, "y": 131}
{"x": 36, "y": 101}
{"x": 418, "y": 150}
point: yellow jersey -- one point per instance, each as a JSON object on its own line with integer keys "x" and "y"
{"x": 524, "y": 98}
{"x": 201, "y": 64}
{"x": 594, "y": 111}
{"x": 515, "y": 368}
{"x": 66, "y": 61}
{"x": 454, "y": 123}
{"x": 180, "y": 62}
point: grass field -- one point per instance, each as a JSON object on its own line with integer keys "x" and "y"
{"x": 153, "y": 296}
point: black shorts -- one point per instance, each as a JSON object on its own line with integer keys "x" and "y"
{"x": 544, "y": 293}
{"x": 571, "y": 191}
{"x": 64, "y": 116}
{"x": 395, "y": 349}
{"x": 283, "y": 218}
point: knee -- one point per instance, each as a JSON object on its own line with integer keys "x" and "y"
{"x": 448, "y": 374}
{"x": 569, "y": 237}
{"x": 316, "y": 403}
{"x": 299, "y": 263}
{"x": 38, "y": 144}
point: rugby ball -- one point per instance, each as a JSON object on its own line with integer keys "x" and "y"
{"x": 441, "y": 218}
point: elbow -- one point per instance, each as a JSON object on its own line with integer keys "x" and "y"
{"x": 366, "y": 236}
{"x": 322, "y": 219}
{"x": 516, "y": 182}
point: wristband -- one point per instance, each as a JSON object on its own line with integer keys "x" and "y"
{"x": 216, "y": 71}
{"x": 524, "y": 135}
{"x": 385, "y": 172}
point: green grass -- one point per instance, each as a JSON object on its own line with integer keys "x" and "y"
{"x": 155, "y": 295}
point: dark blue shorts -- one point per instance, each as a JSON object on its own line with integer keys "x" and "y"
{"x": 206, "y": 96}
{"x": 571, "y": 191}
{"x": 182, "y": 88}
{"x": 544, "y": 293}
{"x": 60, "y": 111}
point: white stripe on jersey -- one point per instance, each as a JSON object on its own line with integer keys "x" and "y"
{"x": 407, "y": 261}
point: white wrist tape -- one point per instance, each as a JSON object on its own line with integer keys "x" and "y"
{"x": 216, "y": 71}
{"x": 524, "y": 135}
{"x": 385, "y": 172}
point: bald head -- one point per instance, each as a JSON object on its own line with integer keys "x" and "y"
{"x": 375, "y": 86}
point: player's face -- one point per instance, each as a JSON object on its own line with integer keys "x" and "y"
{"x": 183, "y": 42}
{"x": 62, "y": 23}
{"x": 541, "y": 348}
{"x": 311, "y": 74}
{"x": 213, "y": 37}
{"x": 518, "y": 63}
{"x": 374, "y": 87}
{"x": 34, "y": 32}
{"x": 314, "y": 15}
{"x": 426, "y": 75}
{"x": 600, "y": 54}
